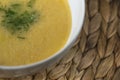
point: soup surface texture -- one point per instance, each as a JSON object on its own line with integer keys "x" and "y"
{"x": 32, "y": 30}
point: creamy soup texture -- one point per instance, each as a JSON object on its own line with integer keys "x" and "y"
{"x": 32, "y": 30}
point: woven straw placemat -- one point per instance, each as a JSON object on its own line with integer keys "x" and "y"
{"x": 96, "y": 53}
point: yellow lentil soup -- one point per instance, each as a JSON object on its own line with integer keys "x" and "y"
{"x": 32, "y": 30}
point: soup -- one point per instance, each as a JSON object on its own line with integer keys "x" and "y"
{"x": 32, "y": 30}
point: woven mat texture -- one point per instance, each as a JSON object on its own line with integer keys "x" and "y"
{"x": 96, "y": 53}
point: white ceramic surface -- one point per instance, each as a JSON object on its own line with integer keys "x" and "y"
{"x": 77, "y": 11}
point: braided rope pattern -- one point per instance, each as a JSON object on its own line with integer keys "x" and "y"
{"x": 96, "y": 53}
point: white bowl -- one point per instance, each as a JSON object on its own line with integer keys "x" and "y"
{"x": 78, "y": 11}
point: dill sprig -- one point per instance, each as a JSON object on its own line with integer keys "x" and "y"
{"x": 31, "y": 3}
{"x": 17, "y": 22}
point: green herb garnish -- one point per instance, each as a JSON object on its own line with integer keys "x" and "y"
{"x": 31, "y": 3}
{"x": 18, "y": 19}
{"x": 21, "y": 37}
{"x": 17, "y": 23}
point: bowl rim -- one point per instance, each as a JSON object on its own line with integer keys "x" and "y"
{"x": 54, "y": 55}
